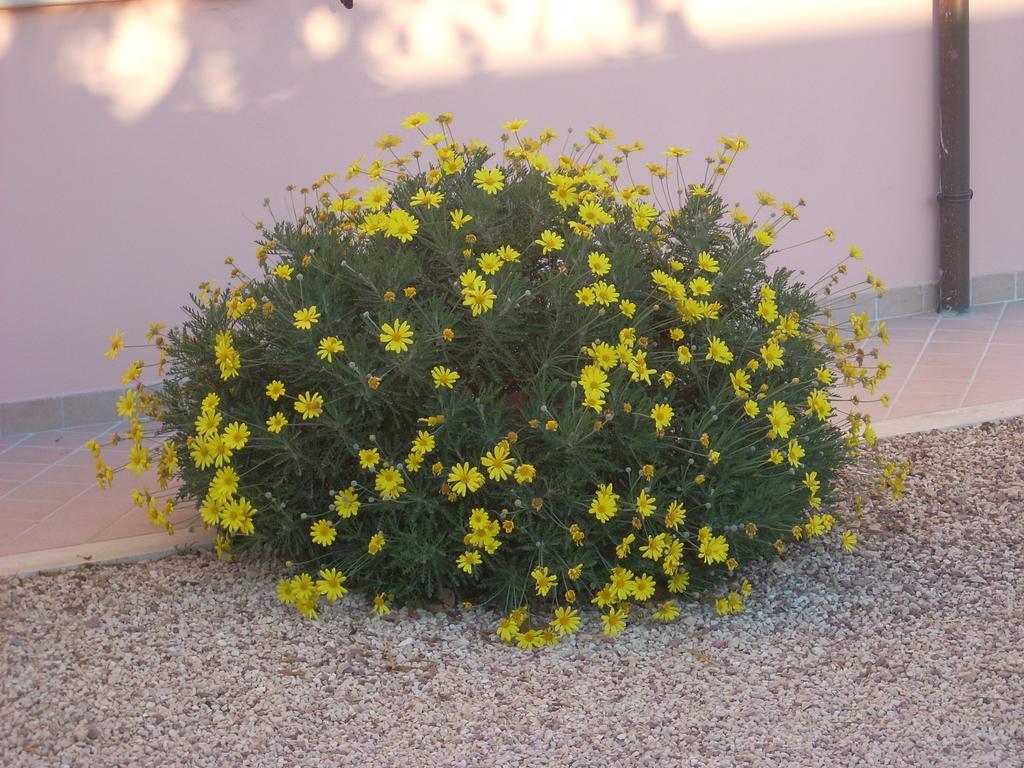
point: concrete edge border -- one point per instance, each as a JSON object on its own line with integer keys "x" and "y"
{"x": 952, "y": 419}
{"x": 128, "y": 550}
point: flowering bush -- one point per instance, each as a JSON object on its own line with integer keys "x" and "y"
{"x": 512, "y": 380}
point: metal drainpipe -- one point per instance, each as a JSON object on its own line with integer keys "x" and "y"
{"x": 952, "y": 29}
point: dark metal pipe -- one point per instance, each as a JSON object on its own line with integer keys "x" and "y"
{"x": 952, "y": 31}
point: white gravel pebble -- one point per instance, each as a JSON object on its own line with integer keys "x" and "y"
{"x": 907, "y": 653}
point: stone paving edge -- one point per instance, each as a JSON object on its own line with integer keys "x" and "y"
{"x": 131, "y": 549}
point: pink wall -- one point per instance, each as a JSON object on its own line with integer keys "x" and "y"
{"x": 139, "y": 138}
{"x": 997, "y": 154}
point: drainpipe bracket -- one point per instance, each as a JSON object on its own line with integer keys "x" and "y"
{"x": 955, "y": 197}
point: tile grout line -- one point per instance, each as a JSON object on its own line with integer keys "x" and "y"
{"x": 69, "y": 501}
{"x": 26, "y": 480}
{"x": 112, "y": 523}
{"x": 52, "y": 513}
{"x": 15, "y": 445}
{"x": 105, "y": 528}
{"x": 913, "y": 367}
{"x": 45, "y": 468}
{"x": 984, "y": 352}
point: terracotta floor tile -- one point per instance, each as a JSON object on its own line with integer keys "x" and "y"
{"x": 102, "y": 435}
{"x": 1009, "y": 334}
{"x": 10, "y": 530}
{"x": 101, "y": 429}
{"x": 932, "y": 385}
{"x": 898, "y": 371}
{"x": 1006, "y": 349}
{"x": 967, "y": 323}
{"x": 125, "y": 481}
{"x": 132, "y": 523}
{"x": 125, "y": 442}
{"x": 983, "y": 393}
{"x": 923, "y": 404}
{"x": 115, "y": 457}
{"x": 900, "y": 347}
{"x": 910, "y": 325}
{"x": 1000, "y": 367}
{"x": 876, "y": 411}
{"x": 42, "y": 490}
{"x": 73, "y": 524}
{"x": 20, "y": 472}
{"x": 1012, "y": 383}
{"x": 961, "y": 336}
{"x": 11, "y": 527}
{"x": 889, "y": 386}
{"x": 841, "y": 394}
{"x": 59, "y": 438}
{"x": 893, "y": 357}
{"x": 908, "y": 332}
{"x": 118, "y": 498}
{"x": 20, "y": 509}
{"x": 895, "y": 378}
{"x": 908, "y": 335}
{"x": 78, "y": 459}
{"x": 68, "y": 473}
{"x": 902, "y": 359}
{"x": 946, "y": 371}
{"x": 960, "y": 348}
{"x": 34, "y": 454}
{"x": 891, "y": 390}
{"x": 943, "y": 360}
{"x": 53, "y": 534}
{"x": 897, "y": 339}
{"x": 890, "y": 353}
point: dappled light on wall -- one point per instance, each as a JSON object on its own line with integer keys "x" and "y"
{"x": 323, "y": 33}
{"x": 134, "y": 64}
{"x": 217, "y": 81}
{"x": 6, "y": 31}
{"x": 413, "y": 42}
{"x": 729, "y": 23}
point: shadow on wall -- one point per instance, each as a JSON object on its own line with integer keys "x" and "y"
{"x": 132, "y": 55}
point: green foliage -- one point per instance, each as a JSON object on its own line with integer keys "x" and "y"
{"x": 521, "y": 385}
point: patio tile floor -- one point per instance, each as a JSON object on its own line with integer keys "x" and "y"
{"x": 49, "y": 500}
{"x": 941, "y": 362}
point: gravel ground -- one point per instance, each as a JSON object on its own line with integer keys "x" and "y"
{"x": 906, "y": 653}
